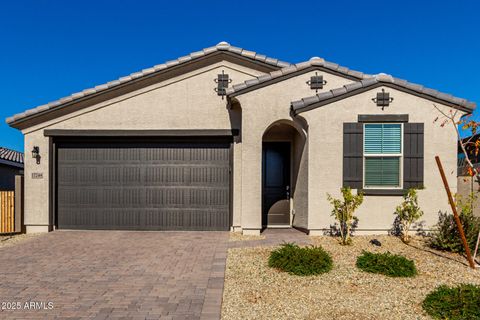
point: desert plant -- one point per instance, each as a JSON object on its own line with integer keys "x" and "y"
{"x": 300, "y": 261}
{"x": 407, "y": 213}
{"x": 343, "y": 212}
{"x": 391, "y": 265}
{"x": 446, "y": 235}
{"x": 454, "y": 303}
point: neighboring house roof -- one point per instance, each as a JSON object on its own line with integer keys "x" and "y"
{"x": 11, "y": 157}
{"x": 291, "y": 71}
{"x": 381, "y": 79}
{"x": 220, "y": 47}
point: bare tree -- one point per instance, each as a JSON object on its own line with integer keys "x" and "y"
{"x": 469, "y": 147}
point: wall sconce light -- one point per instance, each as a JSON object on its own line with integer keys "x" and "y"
{"x": 383, "y": 99}
{"x": 36, "y": 154}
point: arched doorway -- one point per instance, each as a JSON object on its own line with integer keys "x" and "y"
{"x": 283, "y": 146}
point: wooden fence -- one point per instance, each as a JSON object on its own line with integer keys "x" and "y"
{"x": 7, "y": 211}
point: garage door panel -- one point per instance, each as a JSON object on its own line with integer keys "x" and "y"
{"x": 159, "y": 186}
{"x": 145, "y": 219}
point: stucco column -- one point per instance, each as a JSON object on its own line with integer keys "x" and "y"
{"x": 251, "y": 185}
{"x": 237, "y": 186}
{"x": 36, "y": 207}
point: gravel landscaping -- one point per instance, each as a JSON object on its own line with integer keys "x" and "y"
{"x": 14, "y": 239}
{"x": 255, "y": 291}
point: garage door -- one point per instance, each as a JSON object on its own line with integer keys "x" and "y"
{"x": 143, "y": 186}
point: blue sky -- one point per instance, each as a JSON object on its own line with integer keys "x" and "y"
{"x": 50, "y": 49}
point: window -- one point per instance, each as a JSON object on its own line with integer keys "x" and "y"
{"x": 382, "y": 153}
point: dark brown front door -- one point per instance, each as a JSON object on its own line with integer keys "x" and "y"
{"x": 276, "y": 183}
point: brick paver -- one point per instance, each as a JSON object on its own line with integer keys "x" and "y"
{"x": 115, "y": 275}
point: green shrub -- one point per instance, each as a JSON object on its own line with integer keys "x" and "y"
{"x": 300, "y": 261}
{"x": 343, "y": 210}
{"x": 391, "y": 265}
{"x": 408, "y": 212}
{"x": 454, "y": 303}
{"x": 446, "y": 236}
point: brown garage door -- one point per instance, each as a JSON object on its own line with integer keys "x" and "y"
{"x": 143, "y": 186}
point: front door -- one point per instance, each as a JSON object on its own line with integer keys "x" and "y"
{"x": 276, "y": 183}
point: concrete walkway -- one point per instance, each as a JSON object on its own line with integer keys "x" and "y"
{"x": 114, "y": 275}
{"x": 274, "y": 237}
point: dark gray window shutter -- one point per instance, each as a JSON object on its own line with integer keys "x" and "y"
{"x": 353, "y": 155}
{"x": 413, "y": 155}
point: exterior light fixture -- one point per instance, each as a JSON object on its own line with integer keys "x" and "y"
{"x": 36, "y": 154}
{"x": 316, "y": 82}
{"x": 222, "y": 82}
{"x": 383, "y": 99}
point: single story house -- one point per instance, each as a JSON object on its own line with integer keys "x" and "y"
{"x": 229, "y": 139}
{"x": 11, "y": 164}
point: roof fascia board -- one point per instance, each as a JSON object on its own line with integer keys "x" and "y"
{"x": 289, "y": 76}
{"x": 11, "y": 163}
{"x": 135, "y": 84}
{"x": 377, "y": 85}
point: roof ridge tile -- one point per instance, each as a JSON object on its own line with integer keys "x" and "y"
{"x": 313, "y": 62}
{"x": 221, "y": 46}
{"x": 382, "y": 78}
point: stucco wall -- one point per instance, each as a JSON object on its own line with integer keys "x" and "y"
{"x": 467, "y": 185}
{"x": 184, "y": 102}
{"x": 260, "y": 109}
{"x": 189, "y": 102}
{"x": 325, "y": 154}
{"x": 300, "y": 193}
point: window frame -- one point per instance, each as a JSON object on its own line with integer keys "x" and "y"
{"x": 384, "y": 155}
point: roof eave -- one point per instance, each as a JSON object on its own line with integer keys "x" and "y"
{"x": 300, "y": 106}
{"x": 245, "y": 88}
{"x": 19, "y": 120}
{"x": 12, "y": 163}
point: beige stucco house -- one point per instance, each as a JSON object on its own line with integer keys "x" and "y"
{"x": 229, "y": 139}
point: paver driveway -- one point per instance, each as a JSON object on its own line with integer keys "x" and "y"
{"x": 116, "y": 274}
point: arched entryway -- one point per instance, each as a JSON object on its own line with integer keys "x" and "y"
{"x": 283, "y": 174}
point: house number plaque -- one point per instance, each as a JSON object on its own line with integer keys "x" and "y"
{"x": 37, "y": 175}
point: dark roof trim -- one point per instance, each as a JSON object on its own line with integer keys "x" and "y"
{"x": 11, "y": 157}
{"x": 379, "y": 80}
{"x": 262, "y": 63}
{"x": 383, "y": 118}
{"x": 11, "y": 163}
{"x": 141, "y": 133}
{"x": 293, "y": 71}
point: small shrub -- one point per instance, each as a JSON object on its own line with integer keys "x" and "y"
{"x": 343, "y": 212}
{"x": 391, "y": 265}
{"x": 446, "y": 236}
{"x": 407, "y": 213}
{"x": 300, "y": 261}
{"x": 454, "y": 303}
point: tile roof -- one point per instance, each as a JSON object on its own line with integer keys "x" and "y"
{"x": 222, "y": 46}
{"x": 309, "y": 103}
{"x": 284, "y": 72}
{"x": 11, "y": 155}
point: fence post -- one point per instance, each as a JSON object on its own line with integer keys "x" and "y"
{"x": 19, "y": 203}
